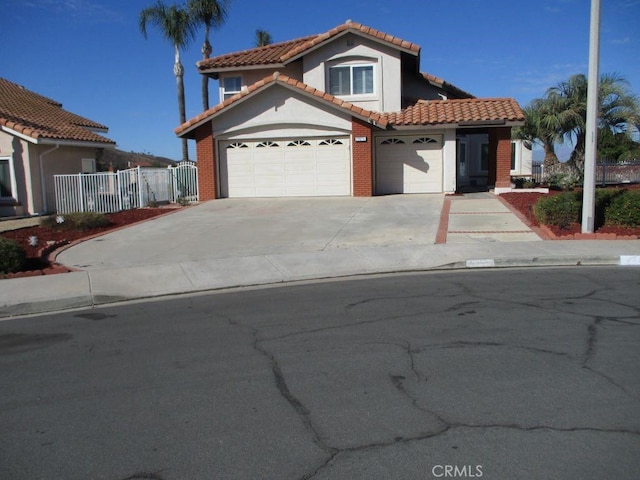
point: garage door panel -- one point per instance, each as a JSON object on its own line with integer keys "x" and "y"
{"x": 409, "y": 164}
{"x": 295, "y": 167}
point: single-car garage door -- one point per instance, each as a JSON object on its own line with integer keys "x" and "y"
{"x": 409, "y": 164}
{"x": 285, "y": 168}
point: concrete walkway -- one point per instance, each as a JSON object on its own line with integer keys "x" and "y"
{"x": 238, "y": 243}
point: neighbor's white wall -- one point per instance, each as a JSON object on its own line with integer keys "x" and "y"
{"x": 524, "y": 160}
{"x": 280, "y": 112}
{"x": 387, "y": 76}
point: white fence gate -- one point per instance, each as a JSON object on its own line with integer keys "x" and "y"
{"x": 126, "y": 189}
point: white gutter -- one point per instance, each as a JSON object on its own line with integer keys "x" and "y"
{"x": 42, "y": 179}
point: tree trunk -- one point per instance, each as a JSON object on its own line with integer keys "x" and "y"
{"x": 178, "y": 71}
{"x": 206, "y": 52}
{"x": 550, "y": 157}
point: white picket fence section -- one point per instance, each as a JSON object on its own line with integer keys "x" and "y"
{"x": 138, "y": 187}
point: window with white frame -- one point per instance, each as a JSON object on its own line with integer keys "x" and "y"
{"x": 7, "y": 186}
{"x": 231, "y": 86}
{"x": 351, "y": 79}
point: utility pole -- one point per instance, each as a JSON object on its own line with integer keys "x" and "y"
{"x": 591, "y": 147}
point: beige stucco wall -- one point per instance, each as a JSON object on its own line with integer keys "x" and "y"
{"x": 27, "y": 159}
{"x": 351, "y": 48}
{"x": 249, "y": 77}
{"x": 279, "y": 112}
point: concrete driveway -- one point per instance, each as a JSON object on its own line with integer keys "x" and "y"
{"x": 230, "y": 228}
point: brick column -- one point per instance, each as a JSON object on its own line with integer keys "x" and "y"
{"x": 500, "y": 157}
{"x": 362, "y": 158}
{"x": 205, "y": 153}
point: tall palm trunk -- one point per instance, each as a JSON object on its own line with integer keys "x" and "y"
{"x": 206, "y": 53}
{"x": 178, "y": 71}
{"x": 550, "y": 157}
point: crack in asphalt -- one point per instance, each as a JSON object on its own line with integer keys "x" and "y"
{"x": 398, "y": 380}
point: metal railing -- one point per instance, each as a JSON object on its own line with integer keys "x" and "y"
{"x": 607, "y": 173}
{"x": 109, "y": 192}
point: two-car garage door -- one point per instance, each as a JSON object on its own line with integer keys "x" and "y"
{"x": 409, "y": 164}
{"x": 285, "y": 168}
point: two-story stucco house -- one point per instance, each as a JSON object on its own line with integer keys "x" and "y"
{"x": 347, "y": 112}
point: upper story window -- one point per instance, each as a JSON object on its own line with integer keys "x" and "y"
{"x": 351, "y": 80}
{"x": 231, "y": 86}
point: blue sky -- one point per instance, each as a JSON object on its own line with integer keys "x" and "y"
{"x": 90, "y": 56}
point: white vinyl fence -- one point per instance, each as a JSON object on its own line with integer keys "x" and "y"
{"x": 108, "y": 192}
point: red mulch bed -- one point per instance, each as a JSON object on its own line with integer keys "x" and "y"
{"x": 51, "y": 239}
{"x": 524, "y": 202}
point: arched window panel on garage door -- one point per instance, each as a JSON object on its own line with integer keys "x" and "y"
{"x": 267, "y": 144}
{"x": 330, "y": 141}
{"x": 298, "y": 143}
{"x": 391, "y": 141}
{"x": 237, "y": 145}
{"x": 426, "y": 140}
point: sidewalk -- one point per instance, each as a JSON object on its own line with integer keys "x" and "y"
{"x": 469, "y": 245}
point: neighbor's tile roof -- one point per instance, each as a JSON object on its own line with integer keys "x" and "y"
{"x": 287, "y": 81}
{"x": 40, "y": 117}
{"x": 279, "y": 53}
{"x": 442, "y": 112}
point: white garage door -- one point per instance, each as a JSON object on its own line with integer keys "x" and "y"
{"x": 409, "y": 164}
{"x": 285, "y": 168}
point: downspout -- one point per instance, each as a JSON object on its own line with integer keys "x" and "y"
{"x": 42, "y": 179}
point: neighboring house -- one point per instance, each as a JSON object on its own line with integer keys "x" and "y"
{"x": 347, "y": 112}
{"x": 38, "y": 139}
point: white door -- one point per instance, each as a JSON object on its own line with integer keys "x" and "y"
{"x": 285, "y": 168}
{"x": 409, "y": 164}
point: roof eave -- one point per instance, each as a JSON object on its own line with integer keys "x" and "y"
{"x": 400, "y": 48}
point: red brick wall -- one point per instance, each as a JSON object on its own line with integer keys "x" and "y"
{"x": 500, "y": 157}
{"x": 362, "y": 158}
{"x": 205, "y": 153}
{"x": 503, "y": 157}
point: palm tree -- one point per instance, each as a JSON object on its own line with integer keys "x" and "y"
{"x": 617, "y": 109}
{"x": 263, "y": 38}
{"x": 541, "y": 126}
{"x": 178, "y": 27}
{"x": 210, "y": 13}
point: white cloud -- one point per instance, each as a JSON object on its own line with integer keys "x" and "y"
{"x": 82, "y": 9}
{"x": 621, "y": 41}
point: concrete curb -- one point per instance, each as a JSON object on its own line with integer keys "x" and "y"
{"x": 89, "y": 289}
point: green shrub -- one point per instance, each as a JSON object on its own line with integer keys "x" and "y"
{"x": 77, "y": 221}
{"x": 561, "y": 210}
{"x": 12, "y": 256}
{"x": 604, "y": 197}
{"x": 624, "y": 209}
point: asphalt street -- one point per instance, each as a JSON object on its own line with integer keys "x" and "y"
{"x": 496, "y": 374}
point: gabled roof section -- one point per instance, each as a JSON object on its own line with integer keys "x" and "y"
{"x": 288, "y": 82}
{"x": 446, "y": 86}
{"x": 41, "y": 118}
{"x": 285, "y": 52}
{"x": 463, "y": 112}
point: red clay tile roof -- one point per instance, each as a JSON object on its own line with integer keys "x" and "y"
{"x": 438, "y": 82}
{"x": 474, "y": 111}
{"x": 280, "y": 53}
{"x": 40, "y": 117}
{"x": 281, "y": 79}
{"x": 457, "y": 111}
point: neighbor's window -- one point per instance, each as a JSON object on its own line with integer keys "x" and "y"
{"x": 351, "y": 80}
{"x": 6, "y": 190}
{"x": 231, "y": 86}
{"x": 484, "y": 157}
{"x": 513, "y": 155}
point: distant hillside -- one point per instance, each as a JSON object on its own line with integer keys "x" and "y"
{"x": 115, "y": 159}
